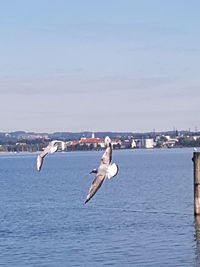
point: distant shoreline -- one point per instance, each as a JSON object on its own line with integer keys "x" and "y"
{"x": 37, "y": 152}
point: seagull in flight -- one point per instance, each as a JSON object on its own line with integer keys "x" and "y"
{"x": 105, "y": 170}
{"x": 50, "y": 149}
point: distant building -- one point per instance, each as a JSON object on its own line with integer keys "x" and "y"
{"x": 195, "y": 137}
{"x": 171, "y": 142}
{"x": 126, "y": 144}
{"x": 20, "y": 144}
{"x": 94, "y": 142}
{"x": 145, "y": 143}
{"x": 133, "y": 144}
{"x": 149, "y": 143}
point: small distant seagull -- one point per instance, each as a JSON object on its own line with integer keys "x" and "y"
{"x": 105, "y": 170}
{"x": 51, "y": 148}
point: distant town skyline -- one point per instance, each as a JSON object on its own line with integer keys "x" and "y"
{"x": 117, "y": 65}
{"x": 93, "y": 133}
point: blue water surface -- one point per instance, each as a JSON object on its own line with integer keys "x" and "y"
{"x": 142, "y": 217}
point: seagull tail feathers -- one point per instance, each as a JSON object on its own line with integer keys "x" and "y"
{"x": 112, "y": 171}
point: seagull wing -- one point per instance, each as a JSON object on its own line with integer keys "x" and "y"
{"x": 107, "y": 156}
{"x": 96, "y": 184}
{"x": 40, "y": 159}
{"x": 51, "y": 148}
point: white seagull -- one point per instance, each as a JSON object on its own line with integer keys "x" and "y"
{"x": 105, "y": 170}
{"x": 51, "y": 148}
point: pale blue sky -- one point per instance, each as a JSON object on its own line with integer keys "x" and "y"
{"x": 109, "y": 65}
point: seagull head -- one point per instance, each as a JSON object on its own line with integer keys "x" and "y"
{"x": 94, "y": 171}
{"x": 107, "y": 140}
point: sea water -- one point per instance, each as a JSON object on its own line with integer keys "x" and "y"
{"x": 142, "y": 217}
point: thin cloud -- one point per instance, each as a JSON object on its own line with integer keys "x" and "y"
{"x": 101, "y": 84}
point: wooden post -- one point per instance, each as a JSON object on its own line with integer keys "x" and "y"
{"x": 197, "y": 237}
{"x": 196, "y": 161}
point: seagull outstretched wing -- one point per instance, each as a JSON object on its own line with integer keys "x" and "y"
{"x": 51, "y": 148}
{"x": 96, "y": 184}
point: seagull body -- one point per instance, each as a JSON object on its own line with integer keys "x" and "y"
{"x": 50, "y": 149}
{"x": 105, "y": 170}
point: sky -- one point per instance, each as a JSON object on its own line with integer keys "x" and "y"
{"x": 109, "y": 65}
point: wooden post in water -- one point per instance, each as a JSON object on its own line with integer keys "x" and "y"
{"x": 196, "y": 161}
